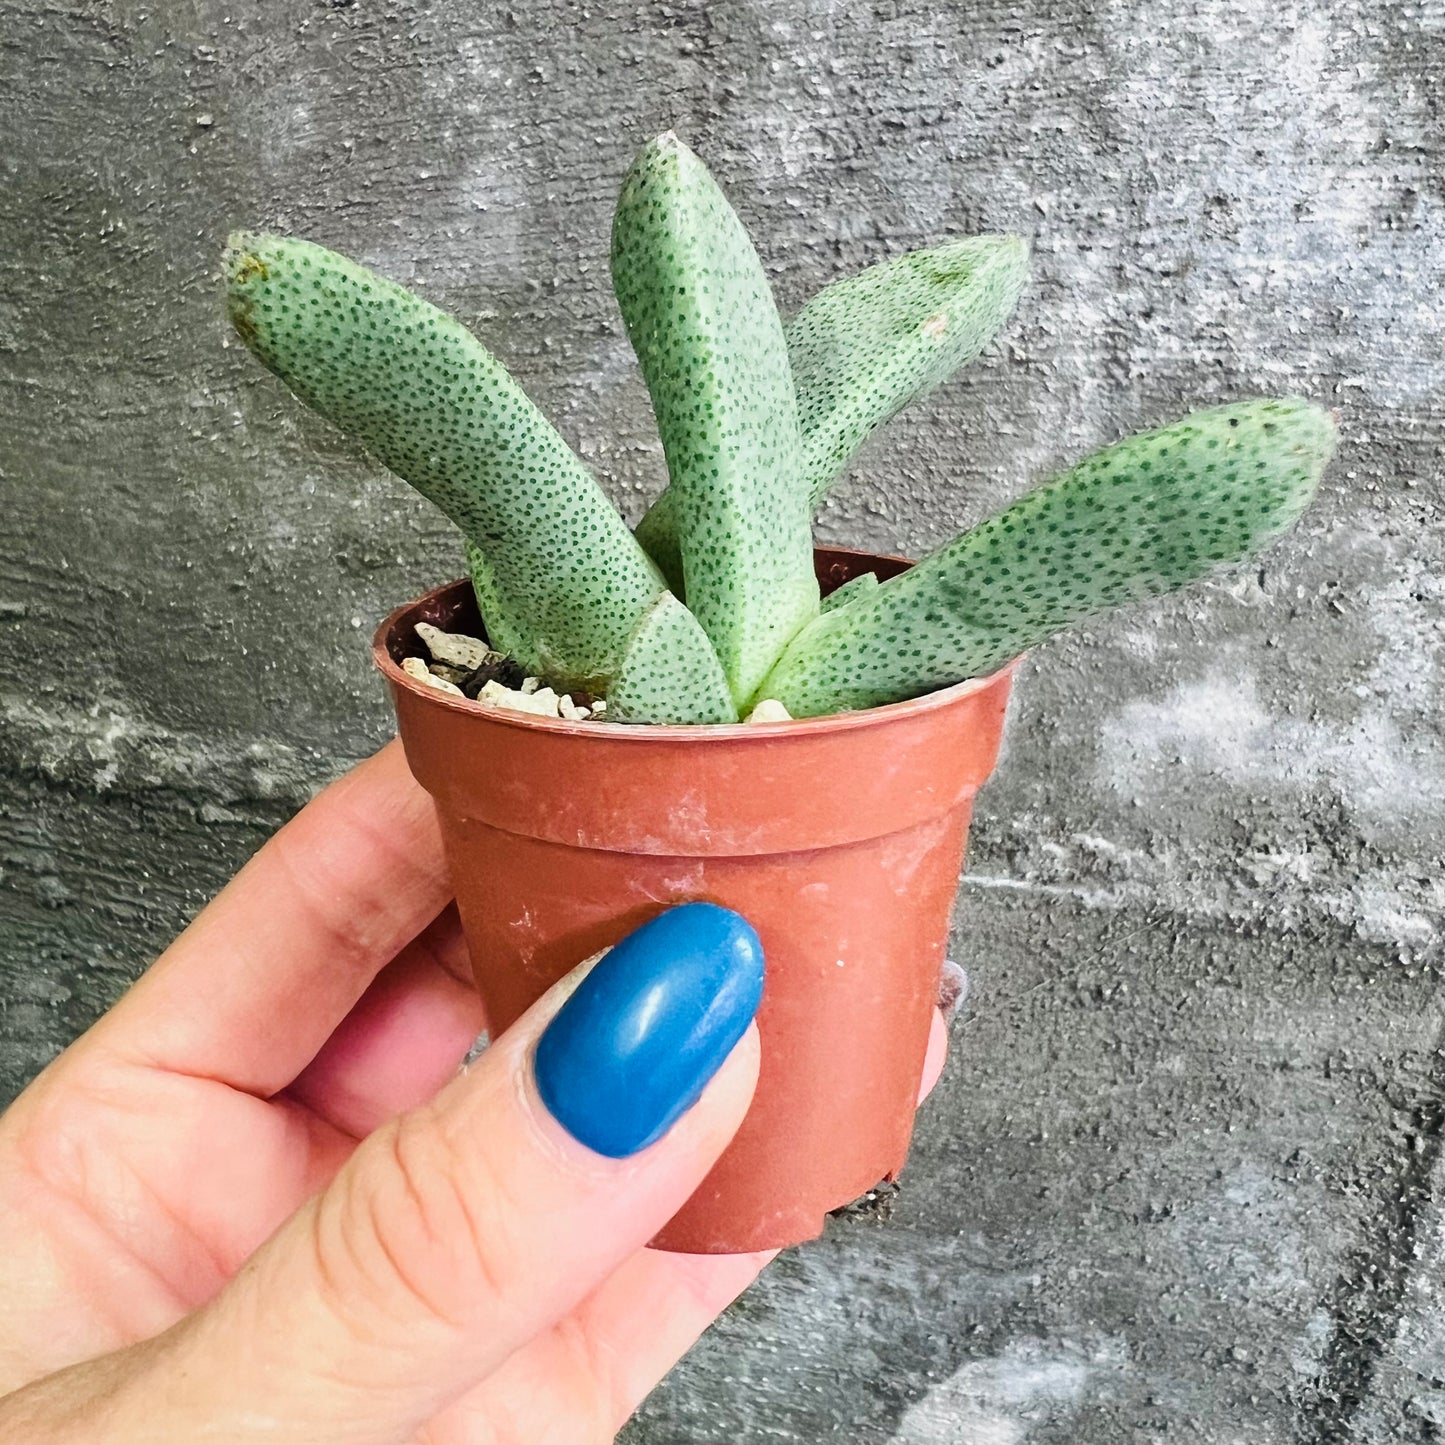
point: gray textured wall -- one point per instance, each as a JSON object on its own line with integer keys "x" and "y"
{"x": 1183, "y": 1179}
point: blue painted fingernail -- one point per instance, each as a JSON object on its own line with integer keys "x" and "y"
{"x": 636, "y": 1044}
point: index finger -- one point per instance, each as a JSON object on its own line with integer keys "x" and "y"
{"x": 251, "y": 990}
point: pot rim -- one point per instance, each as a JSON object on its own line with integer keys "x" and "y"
{"x": 858, "y": 718}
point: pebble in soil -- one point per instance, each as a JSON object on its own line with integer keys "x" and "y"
{"x": 467, "y": 667}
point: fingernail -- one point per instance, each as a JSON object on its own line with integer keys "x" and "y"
{"x": 636, "y": 1043}
{"x": 952, "y": 990}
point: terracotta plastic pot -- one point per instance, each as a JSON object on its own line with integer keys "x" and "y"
{"x": 841, "y": 839}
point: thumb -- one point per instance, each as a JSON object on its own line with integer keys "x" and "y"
{"x": 459, "y": 1231}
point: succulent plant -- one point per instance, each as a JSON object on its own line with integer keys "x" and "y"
{"x": 713, "y": 605}
{"x": 867, "y": 346}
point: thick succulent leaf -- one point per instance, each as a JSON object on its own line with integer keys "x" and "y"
{"x": 853, "y": 590}
{"x": 867, "y": 346}
{"x": 669, "y": 673}
{"x": 1134, "y": 520}
{"x": 567, "y": 581}
{"x": 664, "y": 677}
{"x": 657, "y": 536}
{"x": 702, "y": 321}
{"x": 504, "y": 631}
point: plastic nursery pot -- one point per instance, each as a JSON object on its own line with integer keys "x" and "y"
{"x": 841, "y": 839}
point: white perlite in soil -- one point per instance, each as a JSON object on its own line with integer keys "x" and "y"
{"x": 457, "y": 657}
{"x": 454, "y": 649}
{"x": 415, "y": 667}
{"x": 770, "y": 710}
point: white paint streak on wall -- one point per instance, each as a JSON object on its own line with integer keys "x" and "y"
{"x": 998, "y": 1401}
{"x": 1218, "y": 726}
{"x": 1211, "y": 747}
{"x": 107, "y": 749}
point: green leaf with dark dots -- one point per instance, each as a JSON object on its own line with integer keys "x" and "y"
{"x": 669, "y": 672}
{"x": 1135, "y": 520}
{"x": 566, "y": 583}
{"x": 867, "y": 346}
{"x": 660, "y": 683}
{"x": 865, "y": 584}
{"x": 504, "y": 632}
{"x": 702, "y": 321}
{"x": 657, "y": 536}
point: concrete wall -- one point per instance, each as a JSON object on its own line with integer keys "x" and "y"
{"x": 1182, "y": 1179}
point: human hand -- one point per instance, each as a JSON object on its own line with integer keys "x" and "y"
{"x": 256, "y": 1202}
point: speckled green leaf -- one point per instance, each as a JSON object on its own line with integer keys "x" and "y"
{"x": 657, "y": 536}
{"x": 661, "y": 680}
{"x": 867, "y": 346}
{"x": 669, "y": 672}
{"x": 1134, "y": 520}
{"x": 567, "y": 582}
{"x": 504, "y": 632}
{"x": 702, "y": 321}
{"x": 870, "y": 344}
{"x": 853, "y": 590}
